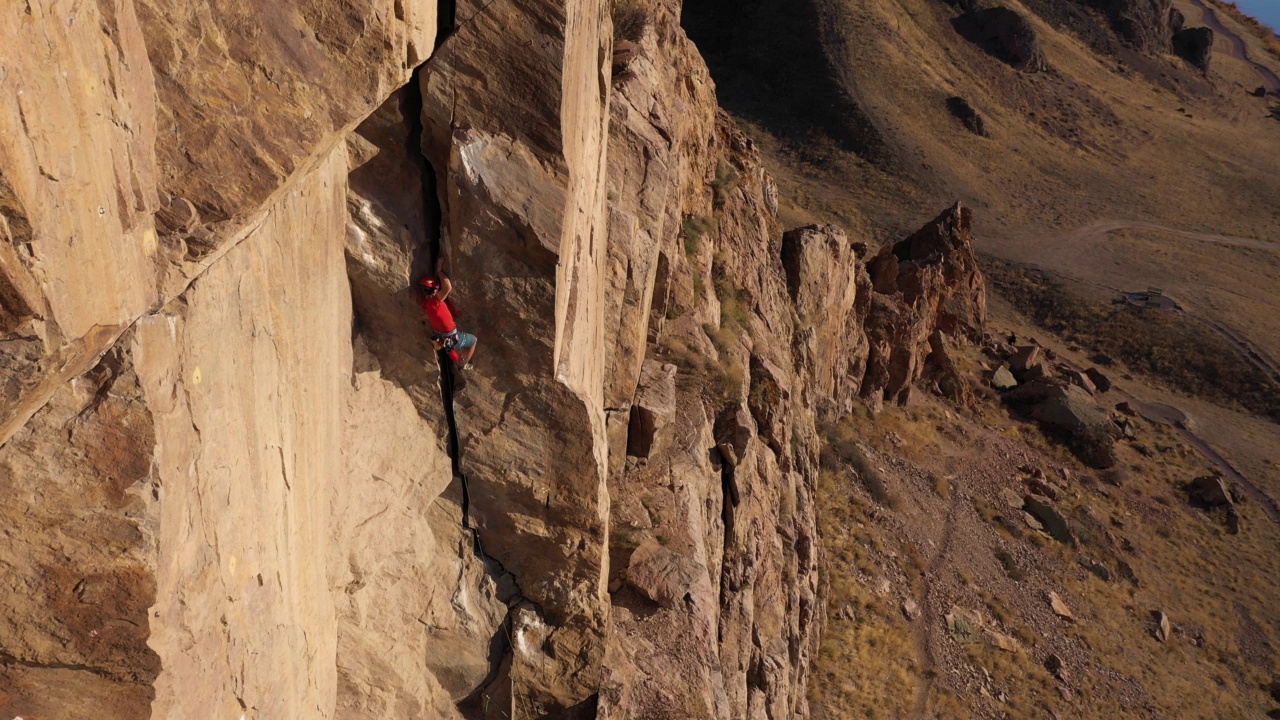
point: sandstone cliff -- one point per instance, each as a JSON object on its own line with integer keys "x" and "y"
{"x": 235, "y": 480}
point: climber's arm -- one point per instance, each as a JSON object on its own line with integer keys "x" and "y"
{"x": 446, "y": 287}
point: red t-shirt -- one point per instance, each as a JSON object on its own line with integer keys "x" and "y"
{"x": 438, "y": 315}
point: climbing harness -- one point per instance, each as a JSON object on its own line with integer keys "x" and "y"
{"x": 445, "y": 341}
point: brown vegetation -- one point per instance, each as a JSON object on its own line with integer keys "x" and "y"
{"x": 1166, "y": 346}
{"x": 1268, "y": 36}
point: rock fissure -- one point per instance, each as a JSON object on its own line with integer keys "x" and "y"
{"x": 501, "y": 647}
{"x": 6, "y": 659}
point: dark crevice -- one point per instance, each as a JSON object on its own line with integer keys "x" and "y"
{"x": 446, "y": 19}
{"x": 495, "y": 688}
{"x": 728, "y": 502}
{"x": 7, "y": 659}
{"x": 424, "y": 260}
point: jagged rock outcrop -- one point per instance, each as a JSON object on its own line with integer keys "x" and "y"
{"x": 831, "y": 291}
{"x": 1194, "y": 45}
{"x": 926, "y": 284}
{"x": 237, "y": 482}
{"x": 1147, "y": 24}
{"x": 1006, "y": 34}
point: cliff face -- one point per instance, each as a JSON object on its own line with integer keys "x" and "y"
{"x": 235, "y": 480}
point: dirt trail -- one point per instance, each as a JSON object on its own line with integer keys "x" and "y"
{"x": 1256, "y": 357}
{"x": 1099, "y": 229}
{"x": 1174, "y": 417}
{"x": 1238, "y": 50}
{"x": 928, "y": 617}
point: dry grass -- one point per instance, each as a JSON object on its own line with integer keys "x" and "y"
{"x": 630, "y": 18}
{"x": 865, "y": 666}
{"x": 842, "y": 451}
{"x": 692, "y": 229}
{"x": 1166, "y": 346}
{"x": 1269, "y": 38}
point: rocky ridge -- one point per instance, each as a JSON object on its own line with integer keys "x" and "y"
{"x": 234, "y": 485}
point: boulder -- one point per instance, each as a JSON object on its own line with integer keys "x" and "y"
{"x": 1100, "y": 381}
{"x": 961, "y": 110}
{"x": 1126, "y": 426}
{"x": 1042, "y": 509}
{"x": 1080, "y": 380}
{"x": 663, "y": 576}
{"x": 1032, "y": 522}
{"x": 1000, "y": 640}
{"x": 1067, "y": 407}
{"x": 1039, "y": 487}
{"x": 1006, "y": 35}
{"x": 1146, "y": 24}
{"x": 1210, "y": 491}
{"x": 1194, "y": 45}
{"x": 1059, "y": 607}
{"x": 1071, "y": 411}
{"x": 1002, "y": 379}
{"x": 1054, "y": 664}
{"x": 1035, "y": 371}
{"x": 1024, "y": 358}
{"x": 1098, "y": 569}
{"x": 1259, "y": 92}
{"x": 1012, "y": 498}
{"x": 1164, "y": 629}
{"x": 910, "y": 609}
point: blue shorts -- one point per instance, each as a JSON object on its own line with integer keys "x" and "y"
{"x": 464, "y": 341}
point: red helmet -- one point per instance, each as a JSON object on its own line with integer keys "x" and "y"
{"x": 429, "y": 284}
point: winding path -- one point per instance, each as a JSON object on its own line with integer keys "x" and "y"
{"x": 1238, "y": 50}
{"x": 1177, "y": 419}
{"x": 928, "y": 616}
{"x": 1099, "y": 229}
{"x": 1168, "y": 414}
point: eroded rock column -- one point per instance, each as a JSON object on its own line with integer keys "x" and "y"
{"x": 514, "y": 109}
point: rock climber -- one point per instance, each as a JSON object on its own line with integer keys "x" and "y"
{"x": 435, "y": 290}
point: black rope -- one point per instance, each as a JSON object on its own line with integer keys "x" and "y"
{"x": 447, "y": 381}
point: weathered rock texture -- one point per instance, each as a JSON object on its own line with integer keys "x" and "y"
{"x": 231, "y": 479}
{"x": 927, "y": 288}
{"x": 1006, "y": 34}
{"x": 1147, "y": 24}
{"x": 1194, "y": 45}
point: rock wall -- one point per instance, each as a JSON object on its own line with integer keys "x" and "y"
{"x": 243, "y": 375}
{"x": 236, "y": 481}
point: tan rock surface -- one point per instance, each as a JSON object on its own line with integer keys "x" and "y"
{"x": 516, "y": 132}
{"x": 244, "y": 374}
{"x": 928, "y": 283}
{"x": 223, "y": 444}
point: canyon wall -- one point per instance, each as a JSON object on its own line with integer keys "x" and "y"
{"x": 237, "y": 482}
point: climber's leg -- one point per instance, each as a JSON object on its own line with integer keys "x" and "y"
{"x": 465, "y": 347}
